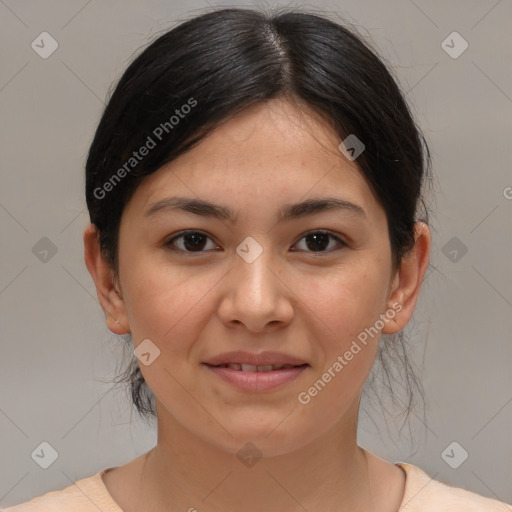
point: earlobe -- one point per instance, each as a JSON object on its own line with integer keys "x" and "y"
{"x": 406, "y": 285}
{"x": 109, "y": 297}
{"x": 116, "y": 326}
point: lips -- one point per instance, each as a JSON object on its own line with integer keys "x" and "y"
{"x": 251, "y": 379}
{"x": 256, "y": 372}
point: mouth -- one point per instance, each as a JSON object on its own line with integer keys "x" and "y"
{"x": 256, "y": 378}
{"x": 241, "y": 367}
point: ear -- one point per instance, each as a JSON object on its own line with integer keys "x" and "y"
{"x": 110, "y": 298}
{"x": 406, "y": 285}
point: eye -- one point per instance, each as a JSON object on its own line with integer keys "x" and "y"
{"x": 318, "y": 241}
{"x": 189, "y": 241}
{"x": 197, "y": 242}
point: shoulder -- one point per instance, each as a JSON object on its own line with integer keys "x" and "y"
{"x": 424, "y": 494}
{"x": 85, "y": 495}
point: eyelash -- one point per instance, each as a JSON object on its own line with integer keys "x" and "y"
{"x": 181, "y": 234}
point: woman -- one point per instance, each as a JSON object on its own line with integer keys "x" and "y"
{"x": 253, "y": 189}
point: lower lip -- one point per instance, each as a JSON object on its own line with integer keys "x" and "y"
{"x": 257, "y": 381}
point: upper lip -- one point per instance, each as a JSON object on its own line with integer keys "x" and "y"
{"x": 259, "y": 359}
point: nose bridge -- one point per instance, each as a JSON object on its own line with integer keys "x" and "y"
{"x": 253, "y": 277}
{"x": 255, "y": 295}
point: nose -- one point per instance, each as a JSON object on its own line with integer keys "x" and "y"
{"x": 256, "y": 294}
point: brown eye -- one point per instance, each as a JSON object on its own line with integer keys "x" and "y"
{"x": 189, "y": 241}
{"x": 319, "y": 241}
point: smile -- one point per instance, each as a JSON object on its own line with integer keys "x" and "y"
{"x": 256, "y": 378}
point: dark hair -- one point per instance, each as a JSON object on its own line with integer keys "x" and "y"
{"x": 214, "y": 65}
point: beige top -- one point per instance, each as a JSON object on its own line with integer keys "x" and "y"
{"x": 422, "y": 494}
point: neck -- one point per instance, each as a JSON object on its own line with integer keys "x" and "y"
{"x": 185, "y": 472}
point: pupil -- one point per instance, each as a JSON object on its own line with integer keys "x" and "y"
{"x": 195, "y": 239}
{"x": 318, "y": 243}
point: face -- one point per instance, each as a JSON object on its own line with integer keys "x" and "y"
{"x": 305, "y": 283}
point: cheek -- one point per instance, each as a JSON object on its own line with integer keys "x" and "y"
{"x": 344, "y": 308}
{"x": 156, "y": 297}
{"x": 170, "y": 306}
{"x": 348, "y": 306}
{"x": 167, "y": 307}
{"x": 347, "y": 301}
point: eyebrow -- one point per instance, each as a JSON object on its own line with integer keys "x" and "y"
{"x": 287, "y": 213}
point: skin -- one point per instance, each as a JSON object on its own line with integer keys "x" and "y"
{"x": 294, "y": 298}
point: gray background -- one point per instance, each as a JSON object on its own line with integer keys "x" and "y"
{"x": 58, "y": 357}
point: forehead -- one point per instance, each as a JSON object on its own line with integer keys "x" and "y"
{"x": 274, "y": 152}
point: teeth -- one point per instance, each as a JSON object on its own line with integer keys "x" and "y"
{"x": 266, "y": 368}
{"x": 249, "y": 368}
{"x": 254, "y": 368}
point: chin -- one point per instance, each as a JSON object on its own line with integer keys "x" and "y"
{"x": 264, "y": 440}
